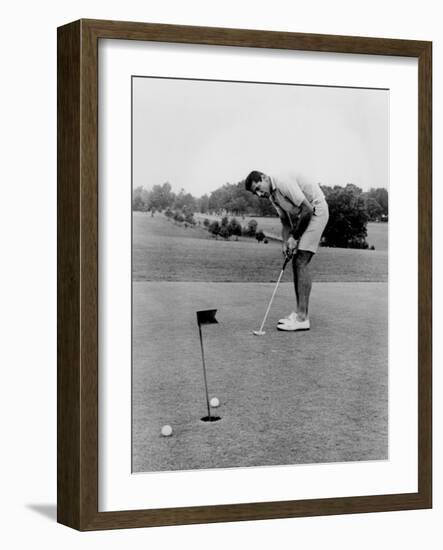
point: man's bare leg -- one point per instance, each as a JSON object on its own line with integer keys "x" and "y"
{"x": 302, "y": 282}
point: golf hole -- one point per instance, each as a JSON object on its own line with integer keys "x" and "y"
{"x": 210, "y": 418}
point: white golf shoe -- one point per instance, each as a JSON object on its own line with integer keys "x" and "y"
{"x": 293, "y": 325}
{"x": 291, "y": 317}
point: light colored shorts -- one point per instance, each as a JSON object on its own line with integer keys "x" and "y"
{"x": 311, "y": 237}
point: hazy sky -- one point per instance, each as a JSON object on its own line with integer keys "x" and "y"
{"x": 199, "y": 135}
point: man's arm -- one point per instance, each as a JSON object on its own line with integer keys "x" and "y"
{"x": 286, "y": 229}
{"x": 289, "y": 243}
{"x": 304, "y": 217}
{"x": 286, "y": 225}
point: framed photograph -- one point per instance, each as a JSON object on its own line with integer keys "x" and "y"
{"x": 244, "y": 275}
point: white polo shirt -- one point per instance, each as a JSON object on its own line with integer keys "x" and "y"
{"x": 290, "y": 190}
{"x": 287, "y": 194}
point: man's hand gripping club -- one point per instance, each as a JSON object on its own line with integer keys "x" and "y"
{"x": 289, "y": 247}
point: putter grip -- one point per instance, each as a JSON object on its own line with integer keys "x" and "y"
{"x": 285, "y": 263}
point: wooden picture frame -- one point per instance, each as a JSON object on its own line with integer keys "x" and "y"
{"x": 77, "y": 173}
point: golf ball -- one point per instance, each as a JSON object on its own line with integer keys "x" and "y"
{"x": 166, "y": 430}
{"x": 214, "y": 402}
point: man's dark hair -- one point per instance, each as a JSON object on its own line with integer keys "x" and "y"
{"x": 254, "y": 177}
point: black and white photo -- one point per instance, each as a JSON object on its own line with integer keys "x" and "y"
{"x": 267, "y": 202}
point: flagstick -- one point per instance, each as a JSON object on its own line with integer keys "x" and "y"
{"x": 204, "y": 370}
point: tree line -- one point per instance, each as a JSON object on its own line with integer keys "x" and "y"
{"x": 231, "y": 197}
{"x": 350, "y": 208}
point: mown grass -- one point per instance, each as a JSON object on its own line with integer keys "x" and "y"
{"x": 163, "y": 251}
{"x": 317, "y": 396}
{"x": 286, "y": 398}
{"x": 378, "y": 235}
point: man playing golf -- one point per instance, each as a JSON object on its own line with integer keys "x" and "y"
{"x": 304, "y": 213}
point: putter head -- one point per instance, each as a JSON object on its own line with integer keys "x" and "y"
{"x": 258, "y": 332}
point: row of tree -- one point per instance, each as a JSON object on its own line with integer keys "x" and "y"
{"x": 233, "y": 198}
{"x": 230, "y": 197}
{"x": 225, "y": 228}
{"x": 350, "y": 208}
{"x": 231, "y": 227}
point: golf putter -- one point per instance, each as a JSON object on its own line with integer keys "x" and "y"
{"x": 260, "y": 332}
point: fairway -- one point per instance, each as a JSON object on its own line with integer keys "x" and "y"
{"x": 286, "y": 398}
{"x": 378, "y": 235}
{"x": 163, "y": 251}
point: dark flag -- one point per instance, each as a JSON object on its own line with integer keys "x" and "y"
{"x": 206, "y": 317}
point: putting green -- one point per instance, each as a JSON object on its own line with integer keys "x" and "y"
{"x": 285, "y": 398}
